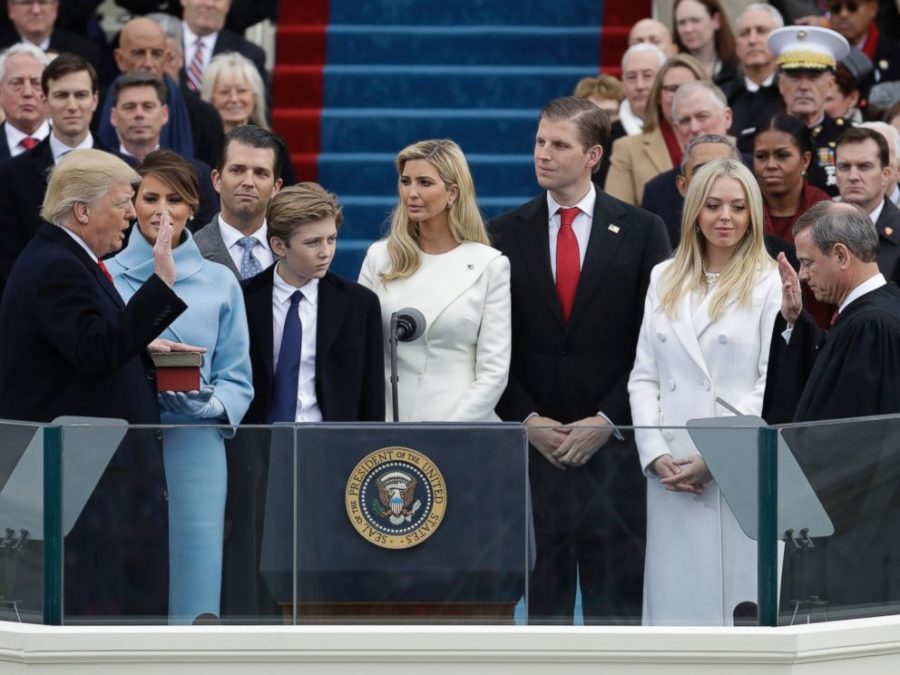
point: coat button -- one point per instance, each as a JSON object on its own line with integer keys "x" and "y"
{"x": 158, "y": 434}
{"x": 723, "y": 338}
{"x": 661, "y": 337}
{"x": 151, "y": 374}
{"x": 671, "y": 384}
{"x": 668, "y": 435}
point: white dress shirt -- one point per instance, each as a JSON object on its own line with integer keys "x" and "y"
{"x": 581, "y": 226}
{"x": 190, "y": 45}
{"x": 58, "y": 148}
{"x": 869, "y": 285}
{"x": 752, "y": 87}
{"x": 231, "y": 235}
{"x": 308, "y": 308}
{"x": 14, "y": 137}
{"x": 81, "y": 242}
{"x": 876, "y": 212}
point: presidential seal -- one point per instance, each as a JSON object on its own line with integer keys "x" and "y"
{"x": 396, "y": 497}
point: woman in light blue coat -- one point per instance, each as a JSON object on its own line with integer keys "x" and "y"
{"x": 215, "y": 319}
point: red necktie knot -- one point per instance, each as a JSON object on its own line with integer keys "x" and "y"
{"x": 28, "y": 142}
{"x": 568, "y": 261}
{"x": 834, "y": 317}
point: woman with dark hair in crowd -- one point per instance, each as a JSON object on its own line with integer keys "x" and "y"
{"x": 637, "y": 159}
{"x": 702, "y": 30}
{"x": 782, "y": 155}
{"x": 194, "y": 457}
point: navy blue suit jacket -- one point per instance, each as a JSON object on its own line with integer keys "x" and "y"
{"x": 72, "y": 347}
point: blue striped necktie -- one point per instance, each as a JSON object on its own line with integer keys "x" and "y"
{"x": 283, "y": 407}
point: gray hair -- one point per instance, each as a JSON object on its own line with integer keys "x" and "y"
{"x": 171, "y": 27}
{"x": 697, "y": 86}
{"x": 644, "y": 47}
{"x": 23, "y": 48}
{"x": 708, "y": 139}
{"x": 833, "y": 223}
{"x": 761, "y": 7}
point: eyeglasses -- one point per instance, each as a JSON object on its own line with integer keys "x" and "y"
{"x": 851, "y": 5}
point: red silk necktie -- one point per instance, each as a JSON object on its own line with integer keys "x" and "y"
{"x": 104, "y": 269}
{"x": 28, "y": 142}
{"x": 568, "y": 261}
{"x": 834, "y": 318}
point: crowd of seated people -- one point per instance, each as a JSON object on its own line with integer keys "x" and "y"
{"x": 729, "y": 201}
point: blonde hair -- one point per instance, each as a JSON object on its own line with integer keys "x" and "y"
{"x": 232, "y": 62}
{"x": 685, "y": 274}
{"x": 83, "y": 176}
{"x": 463, "y": 216}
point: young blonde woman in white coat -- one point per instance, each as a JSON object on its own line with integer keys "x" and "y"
{"x": 705, "y": 334}
{"x": 436, "y": 259}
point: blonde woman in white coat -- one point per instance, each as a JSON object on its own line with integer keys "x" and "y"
{"x": 436, "y": 259}
{"x": 705, "y": 334}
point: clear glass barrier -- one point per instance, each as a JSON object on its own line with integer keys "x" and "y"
{"x": 454, "y": 523}
{"x": 617, "y": 546}
{"x": 21, "y": 522}
{"x": 853, "y": 466}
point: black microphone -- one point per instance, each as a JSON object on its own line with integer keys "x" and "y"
{"x": 410, "y": 324}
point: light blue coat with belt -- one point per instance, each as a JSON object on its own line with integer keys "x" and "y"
{"x": 195, "y": 458}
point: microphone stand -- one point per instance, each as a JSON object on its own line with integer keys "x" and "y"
{"x": 394, "y": 378}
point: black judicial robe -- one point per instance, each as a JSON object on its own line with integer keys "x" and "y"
{"x": 854, "y": 467}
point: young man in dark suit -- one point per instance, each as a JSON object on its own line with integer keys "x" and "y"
{"x": 580, "y": 263}
{"x": 316, "y": 349}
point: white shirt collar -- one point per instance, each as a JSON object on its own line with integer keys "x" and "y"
{"x": 752, "y": 87}
{"x": 14, "y": 136}
{"x": 58, "y": 148}
{"x": 231, "y": 235}
{"x": 876, "y": 213}
{"x": 81, "y": 242}
{"x": 585, "y": 204}
{"x": 282, "y": 290}
{"x": 123, "y": 150}
{"x": 190, "y": 42}
{"x": 867, "y": 286}
{"x": 630, "y": 122}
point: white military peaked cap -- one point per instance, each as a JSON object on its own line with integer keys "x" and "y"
{"x": 808, "y": 47}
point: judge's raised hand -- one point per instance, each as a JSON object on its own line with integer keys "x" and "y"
{"x": 791, "y": 298}
{"x": 163, "y": 260}
{"x": 545, "y": 435}
{"x": 691, "y": 476}
{"x": 584, "y": 438}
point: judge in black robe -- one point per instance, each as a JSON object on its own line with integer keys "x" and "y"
{"x": 852, "y": 371}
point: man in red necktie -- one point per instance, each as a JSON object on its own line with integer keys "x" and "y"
{"x": 22, "y": 100}
{"x": 580, "y": 264}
